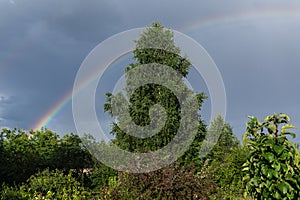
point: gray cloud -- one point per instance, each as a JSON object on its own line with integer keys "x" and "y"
{"x": 44, "y": 42}
{"x": 259, "y": 63}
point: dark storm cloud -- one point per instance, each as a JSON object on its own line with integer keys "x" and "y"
{"x": 259, "y": 62}
{"x": 42, "y": 45}
{"x": 173, "y": 14}
{"x": 89, "y": 20}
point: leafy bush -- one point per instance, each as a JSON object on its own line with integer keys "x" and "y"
{"x": 227, "y": 173}
{"x": 24, "y": 153}
{"x": 100, "y": 176}
{"x": 273, "y": 164}
{"x": 56, "y": 185}
{"x": 171, "y": 182}
{"x": 13, "y": 192}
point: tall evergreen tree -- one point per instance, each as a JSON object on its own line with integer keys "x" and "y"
{"x": 168, "y": 54}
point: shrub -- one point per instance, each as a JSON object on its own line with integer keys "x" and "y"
{"x": 13, "y": 192}
{"x": 228, "y": 174}
{"x": 55, "y": 185}
{"x": 273, "y": 164}
{"x": 172, "y": 182}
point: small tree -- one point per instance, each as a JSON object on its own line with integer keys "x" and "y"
{"x": 272, "y": 168}
{"x": 223, "y": 139}
{"x": 226, "y": 158}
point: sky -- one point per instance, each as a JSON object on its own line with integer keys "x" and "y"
{"x": 255, "y": 45}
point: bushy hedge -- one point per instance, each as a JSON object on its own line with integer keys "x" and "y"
{"x": 52, "y": 185}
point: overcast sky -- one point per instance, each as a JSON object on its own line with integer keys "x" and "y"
{"x": 255, "y": 45}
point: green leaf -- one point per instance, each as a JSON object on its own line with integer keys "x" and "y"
{"x": 266, "y": 194}
{"x": 284, "y": 187}
{"x": 245, "y": 135}
{"x": 269, "y": 156}
{"x": 255, "y": 181}
{"x": 288, "y": 126}
{"x": 271, "y": 188}
{"x": 269, "y": 174}
{"x": 290, "y": 195}
{"x": 274, "y": 173}
{"x": 271, "y": 128}
{"x": 277, "y": 195}
{"x": 278, "y": 149}
{"x": 281, "y": 140}
{"x": 284, "y": 156}
{"x": 246, "y": 178}
{"x": 264, "y": 170}
{"x": 289, "y": 133}
{"x": 285, "y": 131}
{"x": 283, "y": 166}
{"x": 276, "y": 166}
{"x": 268, "y": 119}
{"x": 284, "y": 116}
{"x": 245, "y": 169}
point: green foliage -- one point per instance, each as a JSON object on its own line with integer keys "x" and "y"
{"x": 56, "y": 185}
{"x": 227, "y": 172}
{"x": 100, "y": 176}
{"x": 23, "y": 154}
{"x": 222, "y": 133}
{"x": 71, "y": 154}
{"x": 172, "y": 182}
{"x": 143, "y": 98}
{"x": 47, "y": 185}
{"x": 19, "y": 159}
{"x": 226, "y": 158}
{"x": 41, "y": 165}
{"x": 13, "y": 192}
{"x": 272, "y": 168}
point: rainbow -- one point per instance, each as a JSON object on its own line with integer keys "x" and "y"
{"x": 240, "y": 16}
{"x": 186, "y": 28}
{"x": 55, "y": 110}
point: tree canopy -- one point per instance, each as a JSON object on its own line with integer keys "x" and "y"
{"x": 155, "y": 45}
